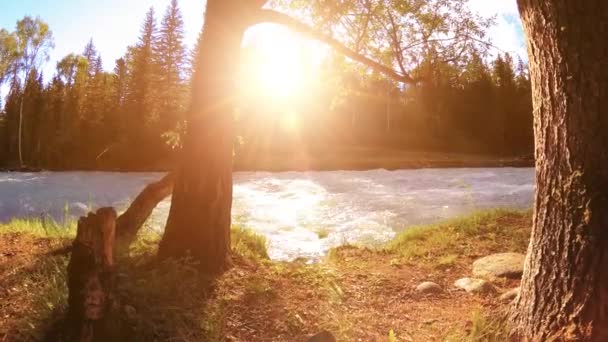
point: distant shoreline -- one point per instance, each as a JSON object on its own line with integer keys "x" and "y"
{"x": 334, "y": 160}
{"x": 411, "y": 165}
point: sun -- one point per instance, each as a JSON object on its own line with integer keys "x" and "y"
{"x": 279, "y": 75}
{"x": 275, "y": 65}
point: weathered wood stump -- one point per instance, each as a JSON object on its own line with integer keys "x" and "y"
{"x": 91, "y": 277}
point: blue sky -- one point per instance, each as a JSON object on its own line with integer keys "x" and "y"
{"x": 115, "y": 24}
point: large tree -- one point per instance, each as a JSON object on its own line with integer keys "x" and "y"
{"x": 199, "y": 218}
{"x": 140, "y": 99}
{"x": 8, "y": 54}
{"x": 564, "y": 293}
{"x": 34, "y": 40}
{"x": 171, "y": 59}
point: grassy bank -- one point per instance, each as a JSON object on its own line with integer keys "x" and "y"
{"x": 356, "y": 293}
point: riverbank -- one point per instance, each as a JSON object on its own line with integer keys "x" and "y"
{"x": 374, "y": 158}
{"x": 355, "y": 293}
{"x": 330, "y": 159}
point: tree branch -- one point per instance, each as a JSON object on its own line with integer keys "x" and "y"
{"x": 270, "y": 16}
{"x": 129, "y": 223}
{"x": 362, "y": 34}
{"x": 396, "y": 42}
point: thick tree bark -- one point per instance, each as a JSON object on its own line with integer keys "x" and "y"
{"x": 91, "y": 277}
{"x": 130, "y": 222}
{"x": 564, "y": 293}
{"x": 199, "y": 219}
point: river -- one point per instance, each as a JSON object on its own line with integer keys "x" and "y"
{"x": 302, "y": 214}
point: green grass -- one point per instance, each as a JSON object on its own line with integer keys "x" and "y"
{"x": 169, "y": 298}
{"x": 483, "y": 327}
{"x": 248, "y": 243}
{"x": 40, "y": 227}
{"x": 245, "y": 242}
{"x": 482, "y": 232}
{"x": 323, "y": 233}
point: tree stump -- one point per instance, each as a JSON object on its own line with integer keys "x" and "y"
{"x": 91, "y": 277}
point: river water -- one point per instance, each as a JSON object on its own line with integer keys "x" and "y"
{"x": 302, "y": 214}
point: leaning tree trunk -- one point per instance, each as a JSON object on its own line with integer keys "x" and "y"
{"x": 130, "y": 222}
{"x": 564, "y": 293}
{"x": 199, "y": 219}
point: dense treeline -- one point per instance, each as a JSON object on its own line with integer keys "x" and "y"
{"x": 475, "y": 106}
{"x": 132, "y": 117}
{"x": 86, "y": 117}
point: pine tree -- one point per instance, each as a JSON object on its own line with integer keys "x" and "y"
{"x": 477, "y": 101}
{"x": 53, "y": 116}
{"x": 504, "y": 78}
{"x": 171, "y": 59}
{"x": 522, "y": 127}
{"x": 93, "y": 107}
{"x": 194, "y": 54}
{"x": 120, "y": 82}
{"x": 91, "y": 55}
{"x": 141, "y": 98}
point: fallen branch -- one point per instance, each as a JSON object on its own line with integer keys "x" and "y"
{"x": 131, "y": 221}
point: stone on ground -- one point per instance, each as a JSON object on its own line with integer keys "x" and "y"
{"x": 475, "y": 286}
{"x": 510, "y": 295}
{"x": 502, "y": 265}
{"x": 323, "y": 336}
{"x": 429, "y": 288}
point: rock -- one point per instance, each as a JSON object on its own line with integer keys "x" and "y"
{"x": 502, "y": 265}
{"x": 428, "y": 288}
{"x": 510, "y": 295}
{"x": 476, "y": 286}
{"x": 323, "y": 336}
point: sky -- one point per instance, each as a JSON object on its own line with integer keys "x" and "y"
{"x": 507, "y": 34}
{"x": 115, "y": 24}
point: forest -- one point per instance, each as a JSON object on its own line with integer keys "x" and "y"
{"x": 134, "y": 115}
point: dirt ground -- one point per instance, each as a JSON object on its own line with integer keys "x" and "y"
{"x": 357, "y": 294}
{"x": 27, "y": 269}
{"x": 360, "y": 295}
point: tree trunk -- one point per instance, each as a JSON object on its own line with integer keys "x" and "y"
{"x": 564, "y": 293}
{"x": 199, "y": 219}
{"x": 91, "y": 277}
{"x": 129, "y": 223}
{"x": 20, "y": 130}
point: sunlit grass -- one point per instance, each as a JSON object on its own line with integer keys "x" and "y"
{"x": 483, "y": 327}
{"x": 323, "y": 233}
{"x": 40, "y": 227}
{"x": 167, "y": 300}
{"x": 248, "y": 243}
{"x": 482, "y": 232}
